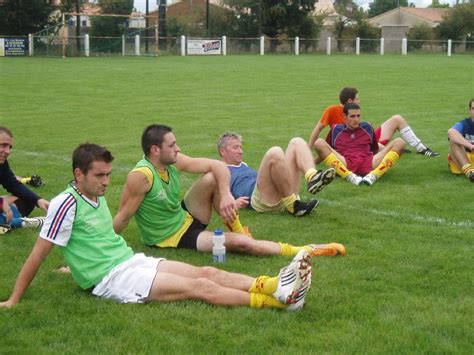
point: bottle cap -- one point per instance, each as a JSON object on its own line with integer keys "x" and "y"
{"x": 217, "y": 231}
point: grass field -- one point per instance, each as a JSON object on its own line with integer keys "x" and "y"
{"x": 406, "y": 284}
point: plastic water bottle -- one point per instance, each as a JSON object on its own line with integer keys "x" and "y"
{"x": 218, "y": 248}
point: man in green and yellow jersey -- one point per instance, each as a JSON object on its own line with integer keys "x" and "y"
{"x": 152, "y": 194}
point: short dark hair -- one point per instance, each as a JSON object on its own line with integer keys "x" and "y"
{"x": 154, "y": 135}
{"x": 470, "y": 102}
{"x": 6, "y": 130}
{"x": 87, "y": 153}
{"x": 351, "y": 106}
{"x": 346, "y": 94}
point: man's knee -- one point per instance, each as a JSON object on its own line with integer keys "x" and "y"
{"x": 24, "y": 207}
{"x": 206, "y": 290}
{"x": 398, "y": 145}
{"x": 297, "y": 142}
{"x": 321, "y": 146}
{"x": 399, "y": 121}
{"x": 209, "y": 179}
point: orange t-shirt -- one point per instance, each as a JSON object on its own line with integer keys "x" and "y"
{"x": 333, "y": 115}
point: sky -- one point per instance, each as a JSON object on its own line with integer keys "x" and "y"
{"x": 141, "y": 4}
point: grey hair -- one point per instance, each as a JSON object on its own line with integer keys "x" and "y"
{"x": 225, "y": 138}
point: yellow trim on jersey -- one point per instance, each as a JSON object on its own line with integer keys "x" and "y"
{"x": 145, "y": 171}
{"x": 173, "y": 241}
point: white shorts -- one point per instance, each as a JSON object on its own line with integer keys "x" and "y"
{"x": 130, "y": 281}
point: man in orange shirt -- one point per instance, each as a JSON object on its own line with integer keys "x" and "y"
{"x": 334, "y": 115}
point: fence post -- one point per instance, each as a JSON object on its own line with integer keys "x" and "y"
{"x": 357, "y": 46}
{"x": 449, "y": 47}
{"x": 137, "y": 44}
{"x": 31, "y": 48}
{"x": 224, "y": 45}
{"x": 382, "y": 44}
{"x": 86, "y": 45}
{"x": 183, "y": 45}
{"x": 328, "y": 46}
{"x": 262, "y": 45}
{"x": 123, "y": 45}
{"x": 404, "y": 46}
{"x": 297, "y": 45}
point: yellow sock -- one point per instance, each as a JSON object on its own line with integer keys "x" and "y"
{"x": 259, "y": 300}
{"x": 25, "y": 180}
{"x": 332, "y": 161}
{"x": 388, "y": 161}
{"x": 236, "y": 226}
{"x": 309, "y": 174}
{"x": 264, "y": 284}
{"x": 289, "y": 201}
{"x": 467, "y": 168}
{"x": 291, "y": 250}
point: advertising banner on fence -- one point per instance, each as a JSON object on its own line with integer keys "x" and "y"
{"x": 203, "y": 46}
{"x": 13, "y": 47}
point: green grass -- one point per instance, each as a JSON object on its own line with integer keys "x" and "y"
{"x": 406, "y": 284}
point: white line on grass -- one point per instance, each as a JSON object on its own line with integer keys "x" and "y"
{"x": 413, "y": 217}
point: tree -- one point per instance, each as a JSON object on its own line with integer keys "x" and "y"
{"x": 349, "y": 15}
{"x": 378, "y": 7}
{"x": 435, "y": 4}
{"x": 274, "y": 17}
{"x": 110, "y": 26}
{"x": 418, "y": 35}
{"x": 21, "y": 17}
{"x": 458, "y": 23}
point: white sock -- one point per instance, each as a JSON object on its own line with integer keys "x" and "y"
{"x": 410, "y": 137}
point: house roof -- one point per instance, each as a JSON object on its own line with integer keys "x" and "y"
{"x": 433, "y": 15}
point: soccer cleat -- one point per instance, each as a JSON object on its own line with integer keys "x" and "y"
{"x": 369, "y": 179}
{"x": 33, "y": 222}
{"x": 293, "y": 278}
{"x": 36, "y": 181}
{"x": 299, "y": 297}
{"x": 321, "y": 179}
{"x": 304, "y": 208}
{"x": 428, "y": 152}
{"x": 5, "y": 228}
{"x": 471, "y": 176}
{"x": 354, "y": 179}
{"x": 331, "y": 249}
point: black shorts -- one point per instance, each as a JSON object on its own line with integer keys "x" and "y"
{"x": 189, "y": 238}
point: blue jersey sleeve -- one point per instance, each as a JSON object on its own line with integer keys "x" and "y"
{"x": 459, "y": 127}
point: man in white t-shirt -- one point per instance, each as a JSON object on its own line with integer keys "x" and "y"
{"x": 80, "y": 224}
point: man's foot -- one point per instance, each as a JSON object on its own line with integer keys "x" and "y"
{"x": 428, "y": 152}
{"x": 32, "y": 222}
{"x": 331, "y": 249}
{"x": 301, "y": 208}
{"x": 321, "y": 179}
{"x": 5, "y": 228}
{"x": 293, "y": 278}
{"x": 299, "y": 297}
{"x": 369, "y": 179}
{"x": 36, "y": 181}
{"x": 471, "y": 176}
{"x": 354, "y": 179}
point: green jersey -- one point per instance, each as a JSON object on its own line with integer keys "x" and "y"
{"x": 160, "y": 214}
{"x": 84, "y": 232}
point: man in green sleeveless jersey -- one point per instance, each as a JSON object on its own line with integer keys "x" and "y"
{"x": 152, "y": 195}
{"x": 80, "y": 224}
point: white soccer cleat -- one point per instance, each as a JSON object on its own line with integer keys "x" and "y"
{"x": 293, "y": 278}
{"x": 5, "y": 228}
{"x": 369, "y": 179}
{"x": 32, "y": 222}
{"x": 354, "y": 179}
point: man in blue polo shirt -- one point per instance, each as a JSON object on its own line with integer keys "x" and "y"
{"x": 275, "y": 187}
{"x": 461, "y": 146}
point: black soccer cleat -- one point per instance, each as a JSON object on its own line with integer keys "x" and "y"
{"x": 301, "y": 208}
{"x": 321, "y": 179}
{"x": 428, "y": 152}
